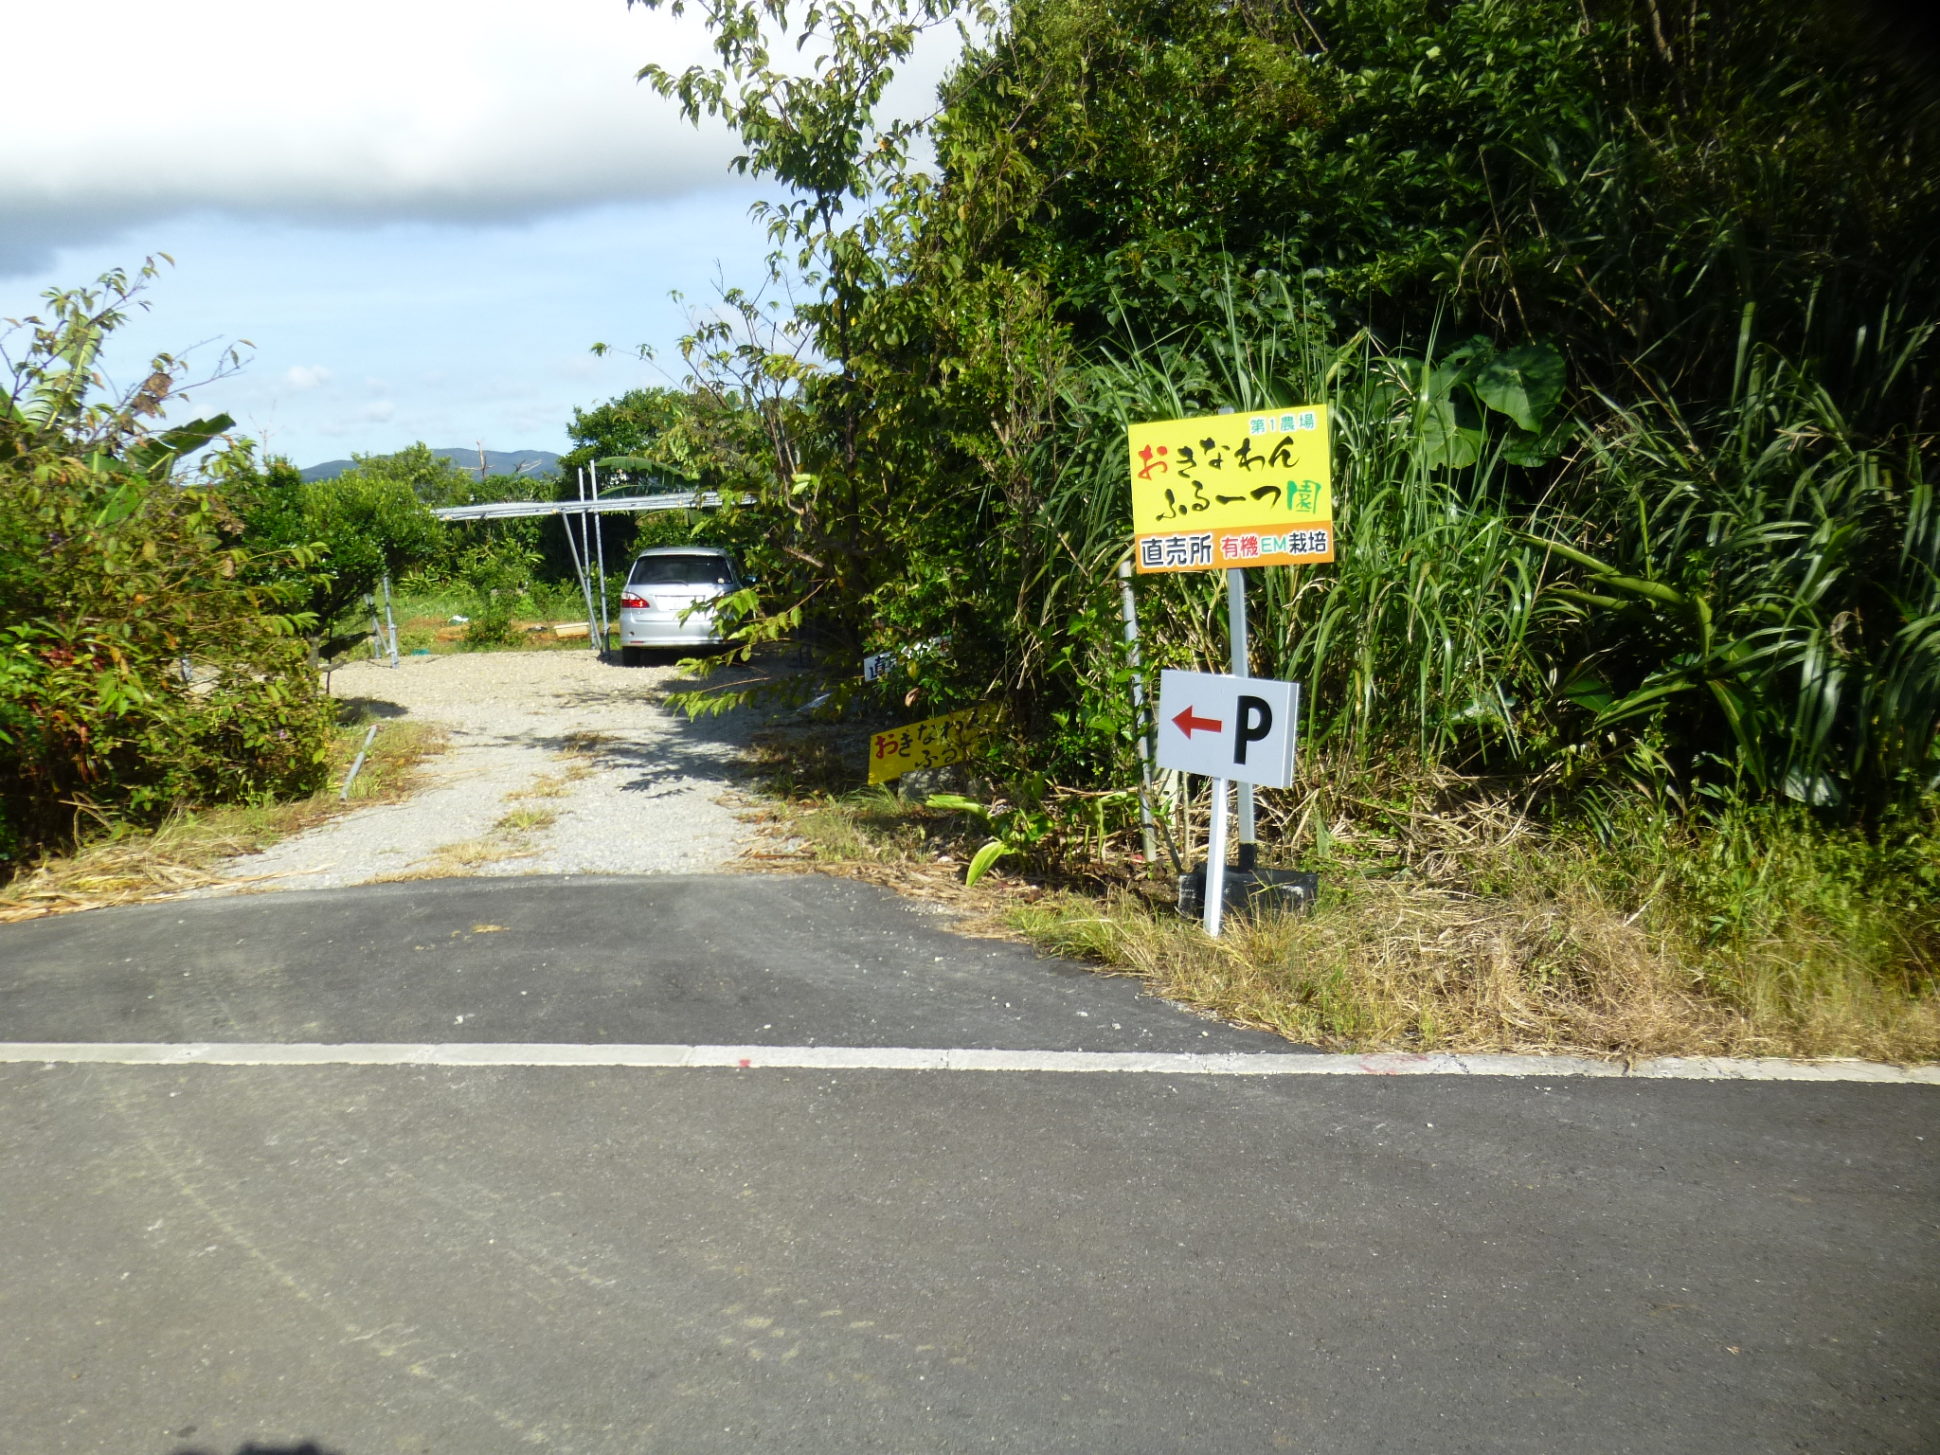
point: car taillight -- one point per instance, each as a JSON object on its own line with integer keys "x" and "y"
{"x": 629, "y": 599}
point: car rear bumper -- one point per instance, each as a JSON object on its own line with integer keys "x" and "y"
{"x": 647, "y": 628}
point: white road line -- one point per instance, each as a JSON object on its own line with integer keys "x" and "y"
{"x": 871, "y": 1058}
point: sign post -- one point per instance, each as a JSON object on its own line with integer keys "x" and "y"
{"x": 1215, "y": 907}
{"x": 1230, "y": 729}
{"x": 1249, "y": 846}
{"x": 1128, "y": 608}
{"x": 1224, "y": 492}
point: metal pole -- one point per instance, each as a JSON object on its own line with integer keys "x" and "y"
{"x": 585, "y": 589}
{"x": 599, "y": 534}
{"x": 586, "y": 555}
{"x": 357, "y": 763}
{"x": 390, "y": 621}
{"x": 1242, "y": 667}
{"x": 1216, "y": 859}
{"x": 1129, "y": 606}
{"x": 376, "y": 631}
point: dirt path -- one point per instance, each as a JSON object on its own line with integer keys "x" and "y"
{"x": 558, "y": 764}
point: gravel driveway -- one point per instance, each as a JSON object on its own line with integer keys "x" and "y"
{"x": 558, "y": 764}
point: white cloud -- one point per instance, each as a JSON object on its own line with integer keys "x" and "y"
{"x": 357, "y": 112}
{"x": 446, "y": 197}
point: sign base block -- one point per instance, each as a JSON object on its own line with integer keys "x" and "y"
{"x": 1251, "y": 891}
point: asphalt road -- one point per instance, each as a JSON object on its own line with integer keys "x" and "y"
{"x": 411, "y": 1258}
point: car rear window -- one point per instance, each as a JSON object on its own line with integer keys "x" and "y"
{"x": 681, "y": 571}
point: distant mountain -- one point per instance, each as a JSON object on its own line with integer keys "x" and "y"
{"x": 497, "y": 462}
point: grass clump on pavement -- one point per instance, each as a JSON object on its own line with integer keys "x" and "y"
{"x": 513, "y": 834}
{"x": 872, "y": 826}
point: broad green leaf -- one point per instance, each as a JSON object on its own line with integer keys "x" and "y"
{"x": 125, "y": 501}
{"x": 1530, "y": 449}
{"x": 984, "y": 858}
{"x": 154, "y": 454}
{"x": 1525, "y": 383}
{"x": 1567, "y": 552}
{"x": 1821, "y": 790}
{"x": 1655, "y": 590}
{"x": 1642, "y": 698}
{"x": 956, "y": 803}
{"x": 1589, "y": 598}
{"x": 1589, "y": 692}
{"x": 1445, "y": 443}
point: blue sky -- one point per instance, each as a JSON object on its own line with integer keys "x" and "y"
{"x": 367, "y": 339}
{"x": 422, "y": 216}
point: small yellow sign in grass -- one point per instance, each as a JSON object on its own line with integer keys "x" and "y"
{"x": 930, "y": 743}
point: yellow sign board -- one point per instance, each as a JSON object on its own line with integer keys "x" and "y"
{"x": 1232, "y": 490}
{"x": 930, "y": 743}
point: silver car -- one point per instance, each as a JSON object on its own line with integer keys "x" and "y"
{"x": 669, "y": 599}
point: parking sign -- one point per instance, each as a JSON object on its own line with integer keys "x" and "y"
{"x": 1242, "y": 728}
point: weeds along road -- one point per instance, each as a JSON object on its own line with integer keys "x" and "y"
{"x": 448, "y": 1164}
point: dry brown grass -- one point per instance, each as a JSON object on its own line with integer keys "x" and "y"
{"x": 1392, "y": 965}
{"x": 186, "y": 851}
{"x": 555, "y": 785}
{"x": 511, "y": 837}
{"x": 453, "y": 861}
{"x": 587, "y": 743}
{"x": 1456, "y": 926}
{"x": 525, "y": 820}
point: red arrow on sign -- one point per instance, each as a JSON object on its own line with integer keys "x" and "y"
{"x": 1189, "y": 724}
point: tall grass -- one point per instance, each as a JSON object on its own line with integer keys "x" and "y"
{"x": 1758, "y": 591}
{"x": 1743, "y": 606}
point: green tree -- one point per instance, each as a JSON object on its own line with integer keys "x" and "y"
{"x": 148, "y": 659}
{"x": 629, "y": 439}
{"x": 1652, "y": 289}
{"x": 367, "y": 523}
{"x": 432, "y": 478}
{"x": 647, "y": 440}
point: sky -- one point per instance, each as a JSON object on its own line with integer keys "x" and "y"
{"x": 420, "y": 216}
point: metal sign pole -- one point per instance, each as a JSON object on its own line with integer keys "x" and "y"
{"x": 1129, "y": 605}
{"x": 390, "y": 621}
{"x": 1242, "y": 667}
{"x": 599, "y": 533}
{"x": 1216, "y": 859}
{"x": 579, "y": 563}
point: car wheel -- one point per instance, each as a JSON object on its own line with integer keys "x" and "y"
{"x": 633, "y": 656}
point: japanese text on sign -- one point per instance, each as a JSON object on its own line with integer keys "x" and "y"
{"x": 930, "y": 743}
{"x": 1232, "y": 490}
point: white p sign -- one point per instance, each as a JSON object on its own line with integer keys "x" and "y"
{"x": 1241, "y": 728}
